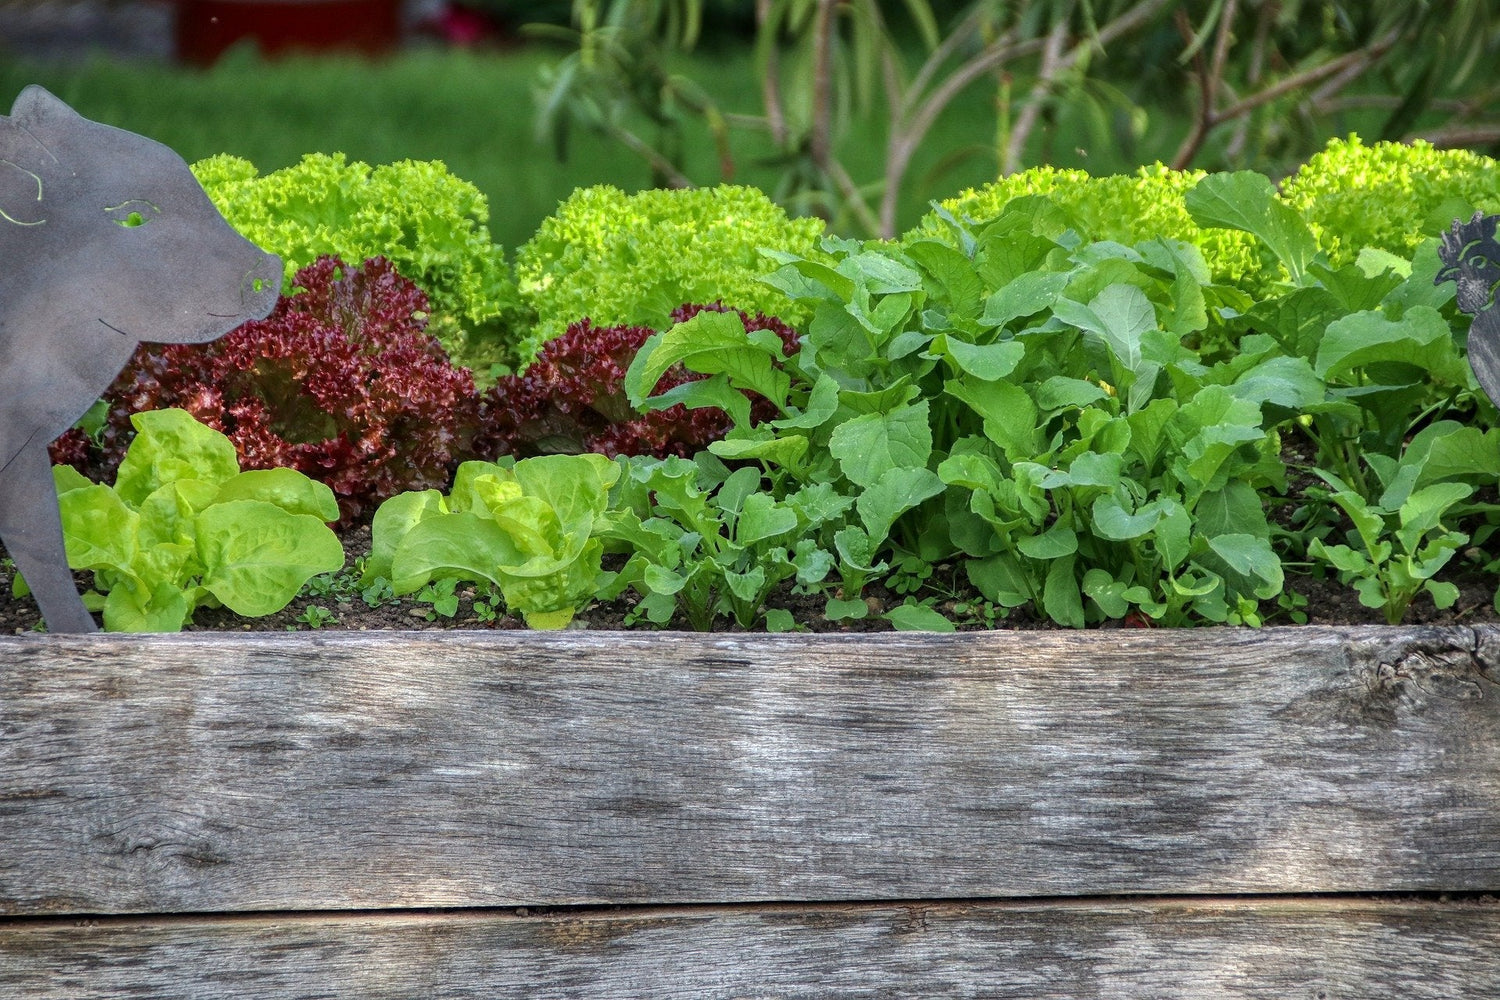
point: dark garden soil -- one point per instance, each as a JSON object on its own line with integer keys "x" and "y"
{"x": 343, "y": 607}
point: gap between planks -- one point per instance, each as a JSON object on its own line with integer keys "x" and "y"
{"x": 1287, "y": 903}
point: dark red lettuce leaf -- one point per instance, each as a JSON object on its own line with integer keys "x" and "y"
{"x": 340, "y": 382}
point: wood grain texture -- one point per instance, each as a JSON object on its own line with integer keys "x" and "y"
{"x": 215, "y": 773}
{"x": 1280, "y": 950}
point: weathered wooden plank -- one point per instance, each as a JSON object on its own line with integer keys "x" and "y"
{"x": 216, "y": 773}
{"x": 1328, "y": 949}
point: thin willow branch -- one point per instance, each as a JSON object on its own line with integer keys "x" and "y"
{"x": 770, "y": 84}
{"x": 947, "y": 48}
{"x": 1032, "y": 108}
{"x": 1210, "y": 118}
{"x": 853, "y": 198}
{"x": 1221, "y": 42}
{"x": 906, "y": 135}
{"x": 1366, "y": 58}
{"x": 1460, "y": 136}
{"x": 660, "y": 165}
{"x": 1133, "y": 19}
{"x": 821, "y": 141}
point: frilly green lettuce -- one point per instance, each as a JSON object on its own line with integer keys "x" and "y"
{"x": 1388, "y": 195}
{"x": 622, "y": 259}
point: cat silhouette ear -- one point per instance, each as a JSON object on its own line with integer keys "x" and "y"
{"x": 36, "y": 106}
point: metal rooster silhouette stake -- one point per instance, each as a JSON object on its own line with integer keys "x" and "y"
{"x": 1471, "y": 256}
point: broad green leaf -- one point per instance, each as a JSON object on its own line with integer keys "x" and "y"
{"x": 800, "y": 278}
{"x": 882, "y": 273}
{"x": 1007, "y": 410}
{"x": 748, "y": 586}
{"x": 465, "y": 493}
{"x": 166, "y": 609}
{"x": 1459, "y": 452}
{"x": 1054, "y": 543}
{"x": 762, "y": 517}
{"x": 1284, "y": 382}
{"x": 576, "y": 487}
{"x": 533, "y": 526}
{"x": 393, "y": 520}
{"x": 169, "y": 516}
{"x": 1126, "y": 316}
{"x": 785, "y": 451}
{"x": 1113, "y": 522}
{"x": 1174, "y": 533}
{"x": 970, "y": 471}
{"x": 710, "y": 343}
{"x": 856, "y": 549}
{"x": 819, "y": 503}
{"x": 1060, "y": 392}
{"x": 867, "y": 446}
{"x": 1061, "y": 598}
{"x": 813, "y": 563}
{"x": 892, "y": 494}
{"x": 845, "y": 609}
{"x": 1096, "y": 469}
{"x": 1024, "y": 295}
{"x": 1000, "y": 578}
{"x": 1421, "y": 338}
{"x": 661, "y": 580}
{"x": 822, "y": 403}
{"x": 1235, "y": 509}
{"x": 1252, "y": 560}
{"x": 466, "y": 545}
{"x": 1245, "y": 200}
{"x": 952, "y": 270}
{"x": 99, "y": 531}
{"x": 918, "y": 618}
{"x": 1107, "y": 592}
{"x": 65, "y": 478}
{"x": 286, "y": 488}
{"x": 780, "y": 620}
{"x": 1423, "y": 511}
{"x": 1353, "y": 287}
{"x": 705, "y": 393}
{"x": 984, "y": 361}
{"x": 1444, "y": 595}
{"x": 256, "y": 556}
{"x": 169, "y": 446}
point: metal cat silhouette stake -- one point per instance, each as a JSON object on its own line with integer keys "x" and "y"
{"x": 1471, "y": 257}
{"x": 106, "y": 240}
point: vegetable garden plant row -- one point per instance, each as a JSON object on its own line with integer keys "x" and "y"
{"x": 1164, "y": 399}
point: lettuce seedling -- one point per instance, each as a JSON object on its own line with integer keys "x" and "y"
{"x": 184, "y": 528}
{"x": 529, "y": 528}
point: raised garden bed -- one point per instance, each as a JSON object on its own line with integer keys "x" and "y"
{"x": 1273, "y": 813}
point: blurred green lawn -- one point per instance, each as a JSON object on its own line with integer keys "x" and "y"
{"x": 474, "y": 111}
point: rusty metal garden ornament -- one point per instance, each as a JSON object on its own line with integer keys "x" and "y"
{"x": 1471, "y": 258}
{"x": 106, "y": 240}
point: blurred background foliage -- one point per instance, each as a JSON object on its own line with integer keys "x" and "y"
{"x": 861, "y": 111}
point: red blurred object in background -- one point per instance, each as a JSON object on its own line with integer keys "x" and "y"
{"x": 205, "y": 28}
